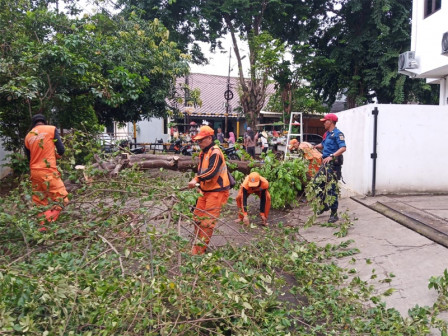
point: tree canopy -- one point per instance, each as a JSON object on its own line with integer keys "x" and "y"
{"x": 345, "y": 47}
{"x": 265, "y": 25}
{"x": 356, "y": 54}
{"x": 94, "y": 68}
{"x": 123, "y": 67}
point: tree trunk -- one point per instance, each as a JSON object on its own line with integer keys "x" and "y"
{"x": 148, "y": 161}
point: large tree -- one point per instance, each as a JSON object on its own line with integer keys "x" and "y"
{"x": 98, "y": 67}
{"x": 356, "y": 54}
{"x": 293, "y": 93}
{"x": 263, "y": 24}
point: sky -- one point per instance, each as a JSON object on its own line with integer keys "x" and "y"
{"x": 219, "y": 62}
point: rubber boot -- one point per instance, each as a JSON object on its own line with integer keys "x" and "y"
{"x": 204, "y": 234}
{"x": 52, "y": 215}
{"x": 198, "y": 249}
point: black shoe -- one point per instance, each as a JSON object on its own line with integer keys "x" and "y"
{"x": 320, "y": 212}
{"x": 333, "y": 218}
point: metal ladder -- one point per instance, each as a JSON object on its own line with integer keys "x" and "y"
{"x": 296, "y": 117}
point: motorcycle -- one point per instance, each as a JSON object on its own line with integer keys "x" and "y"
{"x": 187, "y": 150}
{"x": 178, "y": 148}
{"x": 126, "y": 145}
{"x": 231, "y": 153}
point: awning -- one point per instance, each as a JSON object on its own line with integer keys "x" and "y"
{"x": 272, "y": 114}
{"x": 209, "y": 115}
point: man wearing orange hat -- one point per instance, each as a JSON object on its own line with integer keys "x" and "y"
{"x": 42, "y": 146}
{"x": 254, "y": 183}
{"x": 294, "y": 146}
{"x": 312, "y": 155}
{"x": 214, "y": 185}
{"x": 333, "y": 146}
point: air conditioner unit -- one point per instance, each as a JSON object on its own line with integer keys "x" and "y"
{"x": 407, "y": 60}
{"x": 445, "y": 44}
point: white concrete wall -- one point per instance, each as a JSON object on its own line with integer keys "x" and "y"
{"x": 410, "y": 145}
{"x": 3, "y": 170}
{"x": 427, "y": 35}
{"x": 357, "y": 126}
{"x": 149, "y": 130}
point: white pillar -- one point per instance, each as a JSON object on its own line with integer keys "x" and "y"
{"x": 443, "y": 96}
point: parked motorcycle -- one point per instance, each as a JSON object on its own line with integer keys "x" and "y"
{"x": 231, "y": 153}
{"x": 126, "y": 145}
{"x": 187, "y": 150}
{"x": 178, "y": 148}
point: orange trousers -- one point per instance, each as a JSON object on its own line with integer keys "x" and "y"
{"x": 263, "y": 212}
{"x": 208, "y": 209}
{"x": 47, "y": 185}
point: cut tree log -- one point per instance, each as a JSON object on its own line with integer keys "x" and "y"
{"x": 172, "y": 162}
{"x": 122, "y": 164}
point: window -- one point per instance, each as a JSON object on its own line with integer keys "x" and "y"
{"x": 432, "y": 6}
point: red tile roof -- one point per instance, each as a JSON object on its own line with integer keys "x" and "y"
{"x": 212, "y": 88}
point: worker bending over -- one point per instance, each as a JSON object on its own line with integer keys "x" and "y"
{"x": 307, "y": 150}
{"x": 254, "y": 184}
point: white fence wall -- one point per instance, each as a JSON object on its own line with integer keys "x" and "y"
{"x": 356, "y": 124}
{"x": 149, "y": 130}
{"x": 3, "y": 170}
{"x": 412, "y": 154}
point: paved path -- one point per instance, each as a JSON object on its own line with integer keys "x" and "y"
{"x": 392, "y": 249}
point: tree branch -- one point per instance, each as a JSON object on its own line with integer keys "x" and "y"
{"x": 115, "y": 250}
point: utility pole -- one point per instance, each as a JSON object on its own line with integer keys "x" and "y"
{"x": 228, "y": 95}
{"x": 186, "y": 100}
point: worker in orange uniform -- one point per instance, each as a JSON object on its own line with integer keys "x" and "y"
{"x": 214, "y": 185}
{"x": 312, "y": 155}
{"x": 254, "y": 183}
{"x": 42, "y": 146}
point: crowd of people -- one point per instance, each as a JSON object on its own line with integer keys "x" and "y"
{"x": 249, "y": 140}
{"x": 43, "y": 146}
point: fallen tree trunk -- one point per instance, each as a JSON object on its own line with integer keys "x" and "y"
{"x": 144, "y": 157}
{"x": 149, "y": 161}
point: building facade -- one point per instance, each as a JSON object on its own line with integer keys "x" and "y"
{"x": 428, "y": 54}
{"x": 220, "y": 106}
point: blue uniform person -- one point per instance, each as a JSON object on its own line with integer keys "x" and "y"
{"x": 332, "y": 147}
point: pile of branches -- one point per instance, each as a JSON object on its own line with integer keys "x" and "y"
{"x": 117, "y": 262}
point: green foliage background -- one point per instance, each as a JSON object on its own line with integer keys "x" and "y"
{"x": 356, "y": 51}
{"x": 73, "y": 69}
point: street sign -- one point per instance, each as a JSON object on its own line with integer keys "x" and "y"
{"x": 228, "y": 95}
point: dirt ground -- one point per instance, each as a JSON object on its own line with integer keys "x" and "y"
{"x": 228, "y": 231}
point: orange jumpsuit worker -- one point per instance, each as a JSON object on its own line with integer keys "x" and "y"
{"x": 254, "y": 184}
{"x": 41, "y": 144}
{"x": 309, "y": 153}
{"x": 214, "y": 185}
